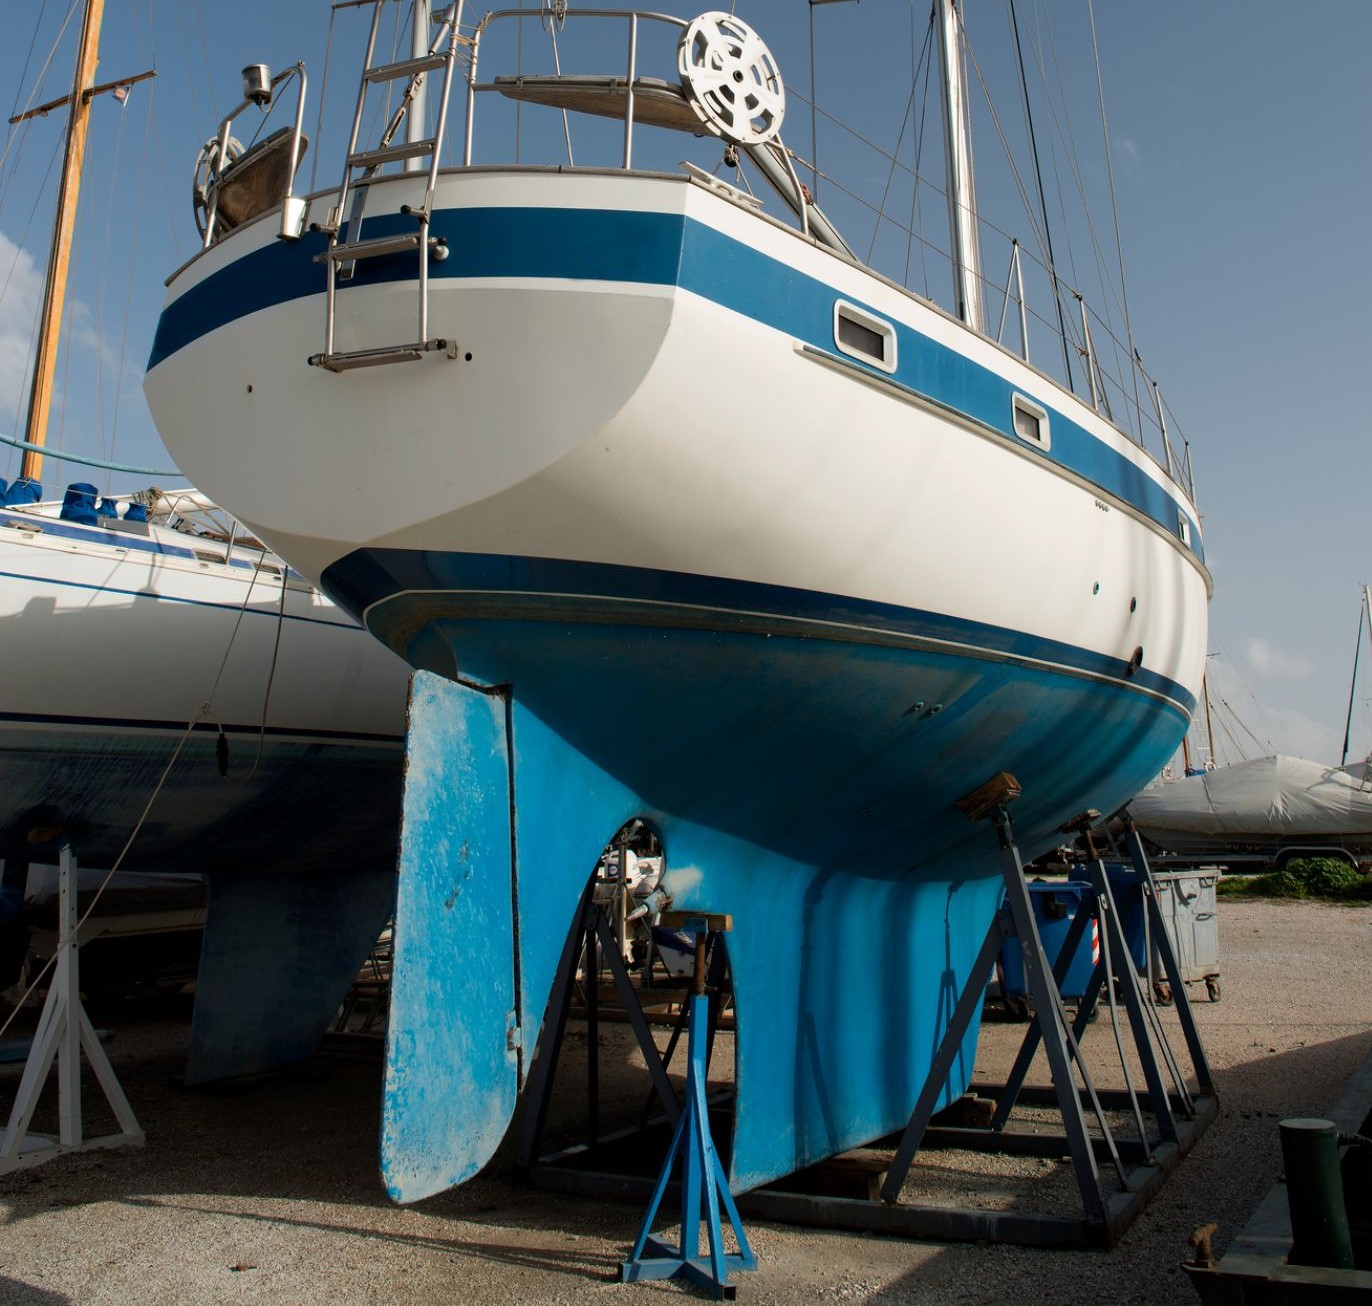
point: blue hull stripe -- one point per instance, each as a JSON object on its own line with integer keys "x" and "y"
{"x": 512, "y": 588}
{"x": 659, "y": 249}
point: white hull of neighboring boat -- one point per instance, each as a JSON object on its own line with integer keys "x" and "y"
{"x": 115, "y": 641}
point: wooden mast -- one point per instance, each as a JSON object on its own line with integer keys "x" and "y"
{"x": 59, "y": 259}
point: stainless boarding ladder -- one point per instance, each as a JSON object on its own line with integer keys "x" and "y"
{"x": 344, "y": 226}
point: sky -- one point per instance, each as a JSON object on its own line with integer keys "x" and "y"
{"x": 1241, "y": 160}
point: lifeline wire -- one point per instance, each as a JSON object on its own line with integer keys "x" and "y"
{"x": 267, "y": 694}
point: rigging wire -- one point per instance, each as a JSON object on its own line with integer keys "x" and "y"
{"x": 186, "y": 55}
{"x": 323, "y": 97}
{"x": 1064, "y": 125}
{"x": 26, "y": 380}
{"x": 1043, "y": 205}
{"x": 267, "y": 693}
{"x": 1114, "y": 205}
{"x": 65, "y": 345}
{"x": 907, "y": 117}
{"x": 1028, "y": 208}
{"x": 916, "y": 217}
{"x": 18, "y": 130}
{"x": 161, "y": 156}
{"x": 128, "y": 299}
{"x": 204, "y": 44}
{"x": 1363, "y": 610}
{"x": 101, "y": 426}
{"x": 28, "y": 60}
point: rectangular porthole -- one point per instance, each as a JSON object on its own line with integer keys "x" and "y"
{"x": 1183, "y": 528}
{"x": 860, "y": 335}
{"x": 1031, "y": 421}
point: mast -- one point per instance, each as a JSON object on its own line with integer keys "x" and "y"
{"x": 415, "y": 129}
{"x": 1364, "y": 611}
{"x": 59, "y": 258}
{"x": 962, "y": 196}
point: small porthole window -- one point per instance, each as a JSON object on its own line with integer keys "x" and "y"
{"x": 1031, "y": 421}
{"x": 1183, "y": 528}
{"x": 862, "y": 336}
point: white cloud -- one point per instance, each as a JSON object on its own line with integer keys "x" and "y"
{"x": 21, "y": 290}
{"x": 21, "y": 293}
{"x": 1299, "y": 735}
{"x": 1268, "y": 660}
{"x": 1127, "y": 156}
{"x": 1246, "y": 727}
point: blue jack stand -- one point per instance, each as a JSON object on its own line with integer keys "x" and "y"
{"x": 703, "y": 1182}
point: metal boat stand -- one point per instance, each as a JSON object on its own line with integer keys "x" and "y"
{"x": 64, "y": 1031}
{"x": 1167, "y": 1123}
{"x": 590, "y": 946}
{"x": 704, "y": 1185}
{"x": 1116, "y": 1175}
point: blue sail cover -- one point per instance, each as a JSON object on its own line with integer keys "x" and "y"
{"x": 24, "y": 490}
{"x": 78, "y": 504}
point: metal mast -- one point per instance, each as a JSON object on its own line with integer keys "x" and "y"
{"x": 962, "y": 195}
{"x": 59, "y": 258}
{"x": 1364, "y": 612}
{"x": 415, "y": 118}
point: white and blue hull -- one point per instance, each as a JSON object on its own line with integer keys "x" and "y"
{"x": 115, "y": 644}
{"x": 787, "y": 604}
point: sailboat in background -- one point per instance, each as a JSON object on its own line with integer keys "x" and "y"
{"x": 1262, "y": 812}
{"x": 177, "y": 699}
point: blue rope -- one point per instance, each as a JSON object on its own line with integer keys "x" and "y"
{"x": 87, "y": 462}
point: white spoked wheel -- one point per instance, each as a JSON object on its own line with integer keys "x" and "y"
{"x": 209, "y": 167}
{"x": 732, "y": 79}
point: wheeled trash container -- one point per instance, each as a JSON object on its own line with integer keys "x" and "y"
{"x": 1186, "y": 900}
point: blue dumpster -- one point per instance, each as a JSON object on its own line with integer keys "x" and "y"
{"x": 1055, "y": 904}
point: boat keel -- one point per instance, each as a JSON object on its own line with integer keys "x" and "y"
{"x": 844, "y": 980}
{"x": 278, "y": 956}
{"x": 488, "y": 888}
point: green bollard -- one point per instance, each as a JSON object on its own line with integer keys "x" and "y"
{"x": 1314, "y": 1192}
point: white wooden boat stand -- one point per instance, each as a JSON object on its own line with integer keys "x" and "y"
{"x": 1116, "y": 1175}
{"x": 64, "y": 1030}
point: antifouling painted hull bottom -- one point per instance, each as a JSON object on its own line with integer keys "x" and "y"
{"x": 822, "y": 817}
{"x": 296, "y": 806}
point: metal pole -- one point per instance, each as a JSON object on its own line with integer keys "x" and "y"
{"x": 629, "y": 93}
{"x": 1314, "y": 1192}
{"x": 416, "y": 129}
{"x": 962, "y": 197}
{"x": 67, "y": 980}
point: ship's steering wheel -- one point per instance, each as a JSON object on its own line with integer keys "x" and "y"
{"x": 731, "y": 79}
{"x": 209, "y": 167}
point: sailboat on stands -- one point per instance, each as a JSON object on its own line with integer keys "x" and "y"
{"x": 684, "y": 514}
{"x": 154, "y": 646}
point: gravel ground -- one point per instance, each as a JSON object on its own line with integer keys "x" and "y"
{"x": 268, "y": 1192}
